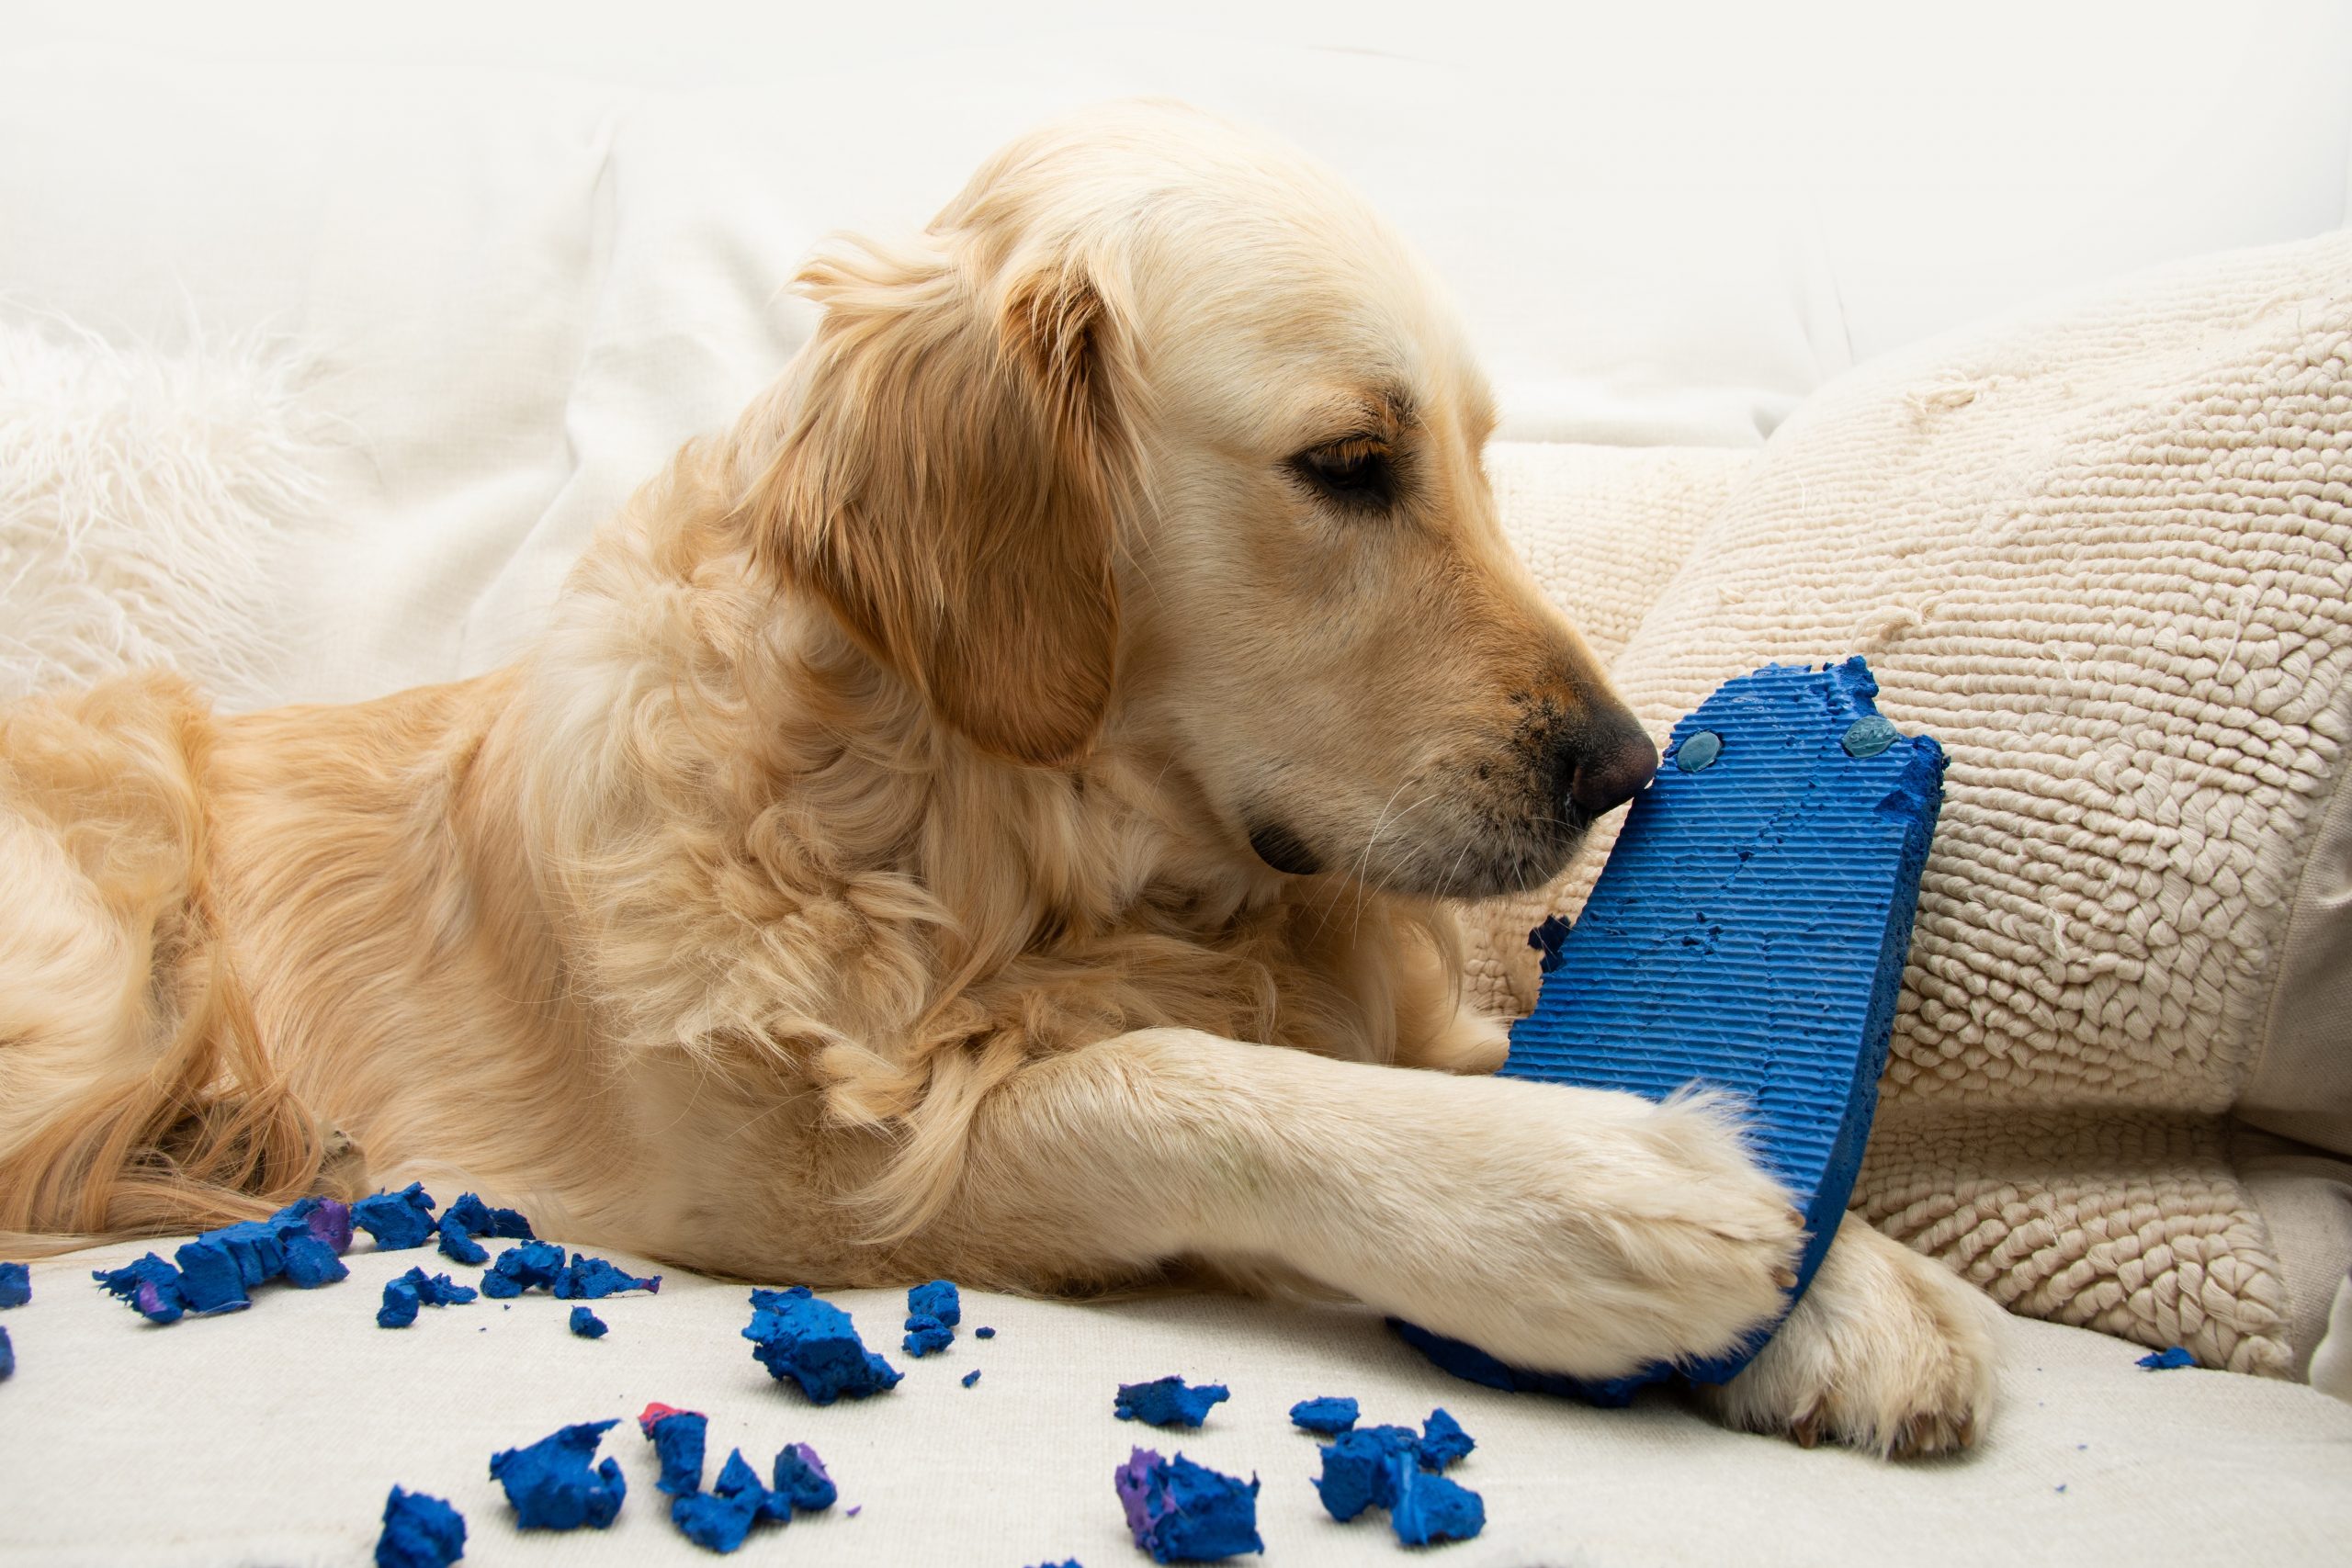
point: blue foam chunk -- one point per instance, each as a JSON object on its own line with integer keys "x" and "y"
{"x": 1748, "y": 935}
{"x": 253, "y": 1245}
{"x": 534, "y": 1265}
{"x": 328, "y": 1220}
{"x": 397, "y": 1220}
{"x": 1430, "y": 1508}
{"x": 939, "y": 1299}
{"x": 1182, "y": 1512}
{"x": 8, "y": 1354}
{"x": 209, "y": 1279}
{"x": 1166, "y": 1402}
{"x": 1360, "y": 1468}
{"x": 552, "y": 1488}
{"x": 797, "y": 1335}
{"x": 478, "y": 1218}
{"x": 971, "y": 1377}
{"x": 148, "y": 1285}
{"x": 15, "y": 1284}
{"x": 594, "y": 1279}
{"x": 1328, "y": 1415}
{"x": 677, "y": 1439}
{"x": 586, "y": 1324}
{"x": 925, "y": 1334}
{"x": 984, "y": 1332}
{"x": 404, "y": 1296}
{"x": 800, "y": 1476}
{"x": 311, "y": 1263}
{"x": 458, "y": 1243}
{"x": 1443, "y": 1442}
{"x": 419, "y": 1533}
{"x": 2168, "y": 1360}
{"x": 712, "y": 1522}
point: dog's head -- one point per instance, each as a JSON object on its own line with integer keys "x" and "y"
{"x": 1159, "y": 440}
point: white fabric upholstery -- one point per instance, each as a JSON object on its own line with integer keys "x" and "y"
{"x": 272, "y": 1436}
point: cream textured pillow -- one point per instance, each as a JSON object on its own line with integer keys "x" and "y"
{"x": 2105, "y": 555}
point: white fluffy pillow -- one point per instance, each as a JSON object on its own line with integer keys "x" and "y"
{"x": 147, "y": 503}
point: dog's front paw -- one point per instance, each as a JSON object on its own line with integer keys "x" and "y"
{"x": 1594, "y": 1233}
{"x": 1889, "y": 1351}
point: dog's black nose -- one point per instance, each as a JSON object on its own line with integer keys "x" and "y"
{"x": 1614, "y": 759}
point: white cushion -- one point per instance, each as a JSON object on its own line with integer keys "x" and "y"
{"x": 273, "y": 1435}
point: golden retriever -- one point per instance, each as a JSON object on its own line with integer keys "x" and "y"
{"x": 985, "y": 816}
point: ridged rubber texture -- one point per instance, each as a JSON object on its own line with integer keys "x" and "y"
{"x": 1748, "y": 935}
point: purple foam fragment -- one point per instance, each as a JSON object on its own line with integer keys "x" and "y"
{"x": 1182, "y": 1512}
{"x": 327, "y": 1219}
{"x": 799, "y": 1475}
{"x": 397, "y": 1220}
{"x": 677, "y": 1437}
{"x": 1328, "y": 1415}
{"x": 420, "y": 1531}
{"x": 149, "y": 1285}
{"x": 938, "y": 1299}
{"x": 1166, "y": 1402}
{"x": 550, "y": 1484}
{"x": 808, "y": 1341}
{"x": 15, "y": 1284}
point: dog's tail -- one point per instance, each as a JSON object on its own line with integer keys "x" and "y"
{"x": 136, "y": 1094}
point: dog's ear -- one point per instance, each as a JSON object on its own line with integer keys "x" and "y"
{"x": 947, "y": 486}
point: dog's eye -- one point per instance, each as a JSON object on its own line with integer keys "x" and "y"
{"x": 1359, "y": 472}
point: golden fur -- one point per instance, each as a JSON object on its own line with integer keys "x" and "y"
{"x": 984, "y": 816}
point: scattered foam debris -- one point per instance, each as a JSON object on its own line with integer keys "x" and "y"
{"x": 552, "y": 1488}
{"x": 971, "y": 1377}
{"x": 1328, "y": 1415}
{"x": 2168, "y": 1359}
{"x": 397, "y": 1220}
{"x": 594, "y": 1279}
{"x": 1066, "y": 1563}
{"x": 149, "y": 1285}
{"x": 926, "y": 1334}
{"x": 938, "y": 1299}
{"x": 301, "y": 1243}
{"x": 478, "y": 1218}
{"x": 532, "y": 1266}
{"x": 677, "y": 1439}
{"x": 414, "y": 1289}
{"x": 7, "y": 1356}
{"x": 1168, "y": 1402}
{"x": 1443, "y": 1442}
{"x": 799, "y": 1474}
{"x": 586, "y": 1324}
{"x": 1182, "y": 1512}
{"x": 799, "y": 1336}
{"x": 1430, "y": 1508}
{"x": 984, "y": 1333}
{"x": 15, "y": 1284}
{"x": 420, "y": 1531}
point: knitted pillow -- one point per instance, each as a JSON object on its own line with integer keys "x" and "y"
{"x": 2105, "y": 555}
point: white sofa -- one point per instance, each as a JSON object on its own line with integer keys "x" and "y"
{"x": 481, "y": 302}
